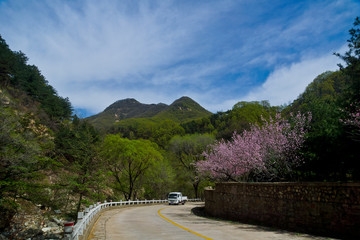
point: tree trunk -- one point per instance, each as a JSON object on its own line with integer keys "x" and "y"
{"x": 196, "y": 188}
{"x": 79, "y": 203}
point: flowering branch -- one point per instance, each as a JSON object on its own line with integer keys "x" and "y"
{"x": 353, "y": 116}
{"x": 265, "y": 153}
{"x": 353, "y": 119}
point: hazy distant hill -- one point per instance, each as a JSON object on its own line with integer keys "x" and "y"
{"x": 181, "y": 110}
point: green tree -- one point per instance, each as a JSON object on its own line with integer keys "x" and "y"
{"x": 5, "y": 56}
{"x": 76, "y": 145}
{"x": 164, "y": 131}
{"x": 330, "y": 152}
{"x": 159, "y": 131}
{"x": 128, "y": 161}
{"x": 187, "y": 151}
{"x": 352, "y": 60}
{"x": 158, "y": 180}
{"x": 23, "y": 148}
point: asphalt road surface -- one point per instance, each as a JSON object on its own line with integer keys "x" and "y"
{"x": 177, "y": 222}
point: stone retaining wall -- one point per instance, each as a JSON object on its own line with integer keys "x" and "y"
{"x": 328, "y": 209}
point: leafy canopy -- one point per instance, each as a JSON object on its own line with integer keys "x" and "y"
{"x": 128, "y": 161}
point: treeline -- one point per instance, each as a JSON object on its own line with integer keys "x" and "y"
{"x": 224, "y": 124}
{"x": 15, "y": 73}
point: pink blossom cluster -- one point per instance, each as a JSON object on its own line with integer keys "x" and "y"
{"x": 262, "y": 149}
{"x": 353, "y": 117}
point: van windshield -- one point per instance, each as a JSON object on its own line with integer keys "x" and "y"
{"x": 173, "y": 195}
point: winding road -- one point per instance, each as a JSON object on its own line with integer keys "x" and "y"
{"x": 177, "y": 222}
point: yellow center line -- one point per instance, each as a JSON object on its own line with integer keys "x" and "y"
{"x": 181, "y": 226}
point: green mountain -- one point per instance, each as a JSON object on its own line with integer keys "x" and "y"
{"x": 181, "y": 110}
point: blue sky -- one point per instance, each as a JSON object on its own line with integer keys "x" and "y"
{"x": 216, "y": 52}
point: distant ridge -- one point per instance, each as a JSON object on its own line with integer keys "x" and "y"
{"x": 181, "y": 110}
{"x": 131, "y": 108}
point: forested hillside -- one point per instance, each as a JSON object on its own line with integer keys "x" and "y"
{"x": 30, "y": 113}
{"x": 52, "y": 160}
{"x": 17, "y": 74}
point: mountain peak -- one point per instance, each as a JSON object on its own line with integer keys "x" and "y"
{"x": 184, "y": 98}
{"x": 123, "y": 102}
{"x": 182, "y": 109}
{"x": 186, "y": 103}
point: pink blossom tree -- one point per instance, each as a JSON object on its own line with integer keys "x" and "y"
{"x": 353, "y": 118}
{"x": 263, "y": 153}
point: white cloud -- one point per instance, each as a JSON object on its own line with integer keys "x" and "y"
{"x": 128, "y": 43}
{"x": 286, "y": 83}
{"x": 98, "y": 46}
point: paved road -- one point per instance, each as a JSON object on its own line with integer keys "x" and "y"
{"x": 176, "y": 222}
